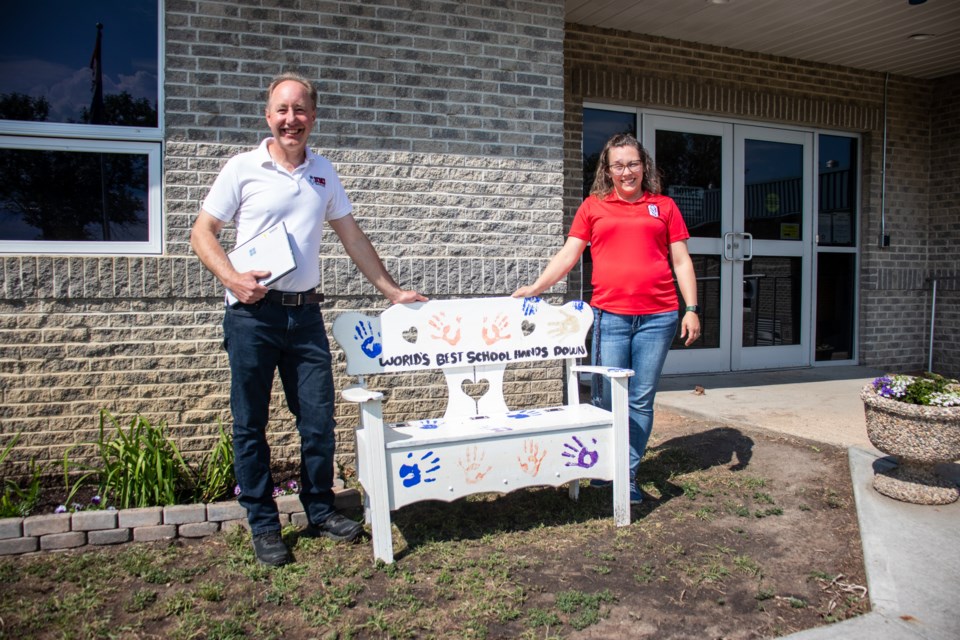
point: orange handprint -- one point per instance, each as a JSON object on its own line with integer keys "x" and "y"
{"x": 443, "y": 327}
{"x": 471, "y": 469}
{"x": 534, "y": 458}
{"x": 494, "y": 331}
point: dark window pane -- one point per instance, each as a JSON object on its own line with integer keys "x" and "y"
{"x": 73, "y": 196}
{"x": 836, "y": 219}
{"x": 773, "y": 190}
{"x": 599, "y": 126}
{"x": 836, "y": 296}
{"x": 52, "y": 69}
{"x": 707, "y": 269}
{"x": 771, "y": 301}
{"x": 691, "y": 167}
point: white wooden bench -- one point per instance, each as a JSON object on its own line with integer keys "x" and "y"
{"x": 479, "y": 444}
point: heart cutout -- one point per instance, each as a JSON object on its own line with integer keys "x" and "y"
{"x": 410, "y": 335}
{"x": 475, "y": 390}
{"x": 527, "y": 327}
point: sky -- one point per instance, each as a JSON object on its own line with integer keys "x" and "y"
{"x": 45, "y": 50}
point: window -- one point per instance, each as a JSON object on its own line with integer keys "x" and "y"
{"x": 80, "y": 128}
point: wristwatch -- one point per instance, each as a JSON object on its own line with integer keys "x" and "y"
{"x": 692, "y": 307}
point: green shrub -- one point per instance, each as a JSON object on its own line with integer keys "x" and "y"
{"x": 17, "y": 501}
{"x": 216, "y": 476}
{"x": 140, "y": 466}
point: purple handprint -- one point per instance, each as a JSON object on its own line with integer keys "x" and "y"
{"x": 585, "y": 458}
{"x": 410, "y": 473}
{"x": 368, "y": 343}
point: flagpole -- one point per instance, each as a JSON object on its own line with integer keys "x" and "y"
{"x": 97, "y": 117}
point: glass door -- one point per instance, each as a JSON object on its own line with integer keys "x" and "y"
{"x": 770, "y": 247}
{"x": 696, "y": 170}
{"x": 746, "y": 194}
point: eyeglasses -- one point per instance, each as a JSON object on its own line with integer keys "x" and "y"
{"x": 617, "y": 169}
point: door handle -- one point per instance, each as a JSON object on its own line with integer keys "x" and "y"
{"x": 748, "y": 237}
{"x": 728, "y": 242}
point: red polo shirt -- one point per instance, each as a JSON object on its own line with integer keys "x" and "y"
{"x": 629, "y": 242}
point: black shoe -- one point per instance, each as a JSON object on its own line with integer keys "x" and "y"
{"x": 271, "y": 550}
{"x": 336, "y": 527}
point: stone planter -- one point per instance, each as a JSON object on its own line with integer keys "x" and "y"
{"x": 919, "y": 438}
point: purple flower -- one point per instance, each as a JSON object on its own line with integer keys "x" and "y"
{"x": 236, "y": 490}
{"x": 95, "y": 500}
{"x": 293, "y": 487}
{"x": 60, "y": 509}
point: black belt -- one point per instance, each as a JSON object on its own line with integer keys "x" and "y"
{"x": 293, "y": 299}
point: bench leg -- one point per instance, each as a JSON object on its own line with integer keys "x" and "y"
{"x": 382, "y": 533}
{"x": 621, "y": 445}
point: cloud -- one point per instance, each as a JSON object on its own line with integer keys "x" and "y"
{"x": 69, "y": 91}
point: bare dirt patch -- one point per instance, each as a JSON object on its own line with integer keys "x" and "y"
{"x": 750, "y": 535}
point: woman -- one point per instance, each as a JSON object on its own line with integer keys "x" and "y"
{"x": 635, "y": 234}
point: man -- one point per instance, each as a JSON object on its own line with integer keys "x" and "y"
{"x": 281, "y": 327}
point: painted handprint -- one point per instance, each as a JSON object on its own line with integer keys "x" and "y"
{"x": 444, "y": 328}
{"x": 585, "y": 458}
{"x": 523, "y": 413}
{"x": 532, "y": 458}
{"x": 429, "y": 424}
{"x": 530, "y": 306}
{"x": 564, "y": 327}
{"x": 471, "y": 467}
{"x": 369, "y": 344}
{"x": 411, "y": 474}
{"x": 495, "y": 331}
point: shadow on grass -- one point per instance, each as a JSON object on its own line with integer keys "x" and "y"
{"x": 700, "y": 451}
{"x": 482, "y": 515}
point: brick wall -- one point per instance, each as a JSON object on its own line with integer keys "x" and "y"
{"x": 445, "y": 123}
{"x": 643, "y": 71}
{"x": 944, "y": 236}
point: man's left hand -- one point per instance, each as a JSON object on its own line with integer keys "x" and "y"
{"x": 407, "y": 295}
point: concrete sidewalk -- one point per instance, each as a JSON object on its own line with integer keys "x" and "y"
{"x": 911, "y": 552}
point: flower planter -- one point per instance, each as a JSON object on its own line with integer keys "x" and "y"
{"x": 920, "y": 438}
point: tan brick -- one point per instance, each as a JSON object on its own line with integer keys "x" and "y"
{"x": 69, "y": 540}
{"x": 108, "y": 536}
{"x": 153, "y": 533}
{"x": 16, "y": 546}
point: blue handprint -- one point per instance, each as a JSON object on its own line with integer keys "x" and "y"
{"x": 525, "y": 413}
{"x": 368, "y": 343}
{"x": 429, "y": 424}
{"x": 578, "y": 305}
{"x": 410, "y": 473}
{"x": 530, "y": 305}
{"x": 585, "y": 458}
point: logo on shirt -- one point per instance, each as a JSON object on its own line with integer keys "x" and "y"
{"x": 653, "y": 210}
{"x": 320, "y": 182}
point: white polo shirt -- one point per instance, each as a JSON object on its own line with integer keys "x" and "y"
{"x": 257, "y": 193}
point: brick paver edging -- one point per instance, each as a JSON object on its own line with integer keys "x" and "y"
{"x": 59, "y": 531}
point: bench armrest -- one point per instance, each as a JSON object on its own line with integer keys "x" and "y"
{"x": 360, "y": 394}
{"x": 610, "y": 372}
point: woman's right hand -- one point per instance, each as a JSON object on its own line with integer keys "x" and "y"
{"x": 528, "y": 291}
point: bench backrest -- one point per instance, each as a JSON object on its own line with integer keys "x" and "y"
{"x": 470, "y": 340}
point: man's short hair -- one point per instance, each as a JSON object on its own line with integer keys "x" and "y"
{"x": 295, "y": 77}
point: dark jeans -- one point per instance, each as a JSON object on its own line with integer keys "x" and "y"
{"x": 259, "y": 339}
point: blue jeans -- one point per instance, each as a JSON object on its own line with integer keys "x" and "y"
{"x": 260, "y": 338}
{"x": 640, "y": 343}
